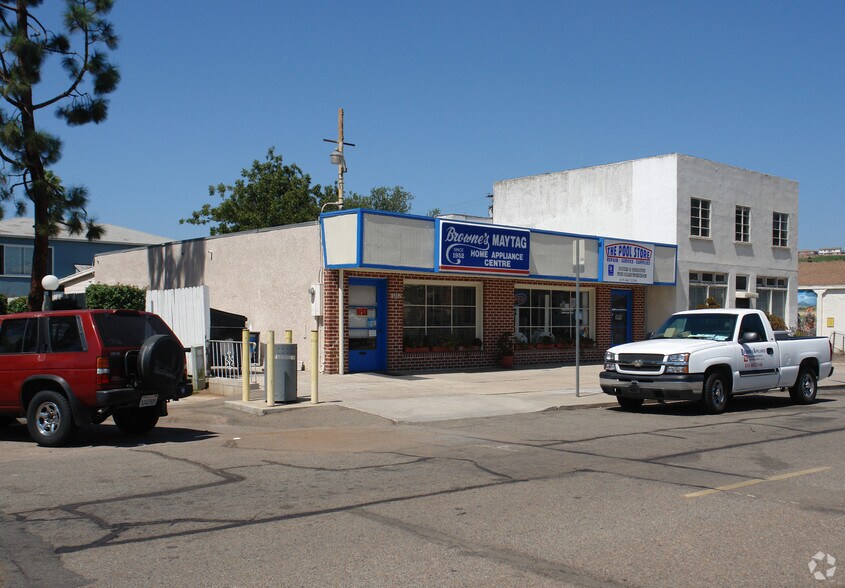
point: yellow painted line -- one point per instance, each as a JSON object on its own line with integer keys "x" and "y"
{"x": 709, "y": 491}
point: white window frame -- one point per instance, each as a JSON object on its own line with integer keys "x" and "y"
{"x": 780, "y": 229}
{"x": 766, "y": 286}
{"x": 479, "y": 301}
{"x": 27, "y": 254}
{"x": 712, "y": 282}
{"x": 591, "y": 311}
{"x": 742, "y": 228}
{"x": 704, "y": 217}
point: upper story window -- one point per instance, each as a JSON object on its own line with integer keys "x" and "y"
{"x": 16, "y": 260}
{"x": 743, "y": 224}
{"x": 699, "y": 218}
{"x": 780, "y": 229}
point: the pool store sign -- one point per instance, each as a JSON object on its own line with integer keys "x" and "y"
{"x": 628, "y": 263}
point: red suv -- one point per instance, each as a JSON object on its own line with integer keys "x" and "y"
{"x": 65, "y": 369}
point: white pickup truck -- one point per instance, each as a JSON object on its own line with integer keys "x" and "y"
{"x": 711, "y": 355}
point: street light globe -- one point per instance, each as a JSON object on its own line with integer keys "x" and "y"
{"x": 50, "y": 282}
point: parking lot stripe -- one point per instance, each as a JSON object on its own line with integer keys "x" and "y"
{"x": 709, "y": 491}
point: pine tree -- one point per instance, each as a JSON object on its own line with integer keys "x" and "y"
{"x": 27, "y": 152}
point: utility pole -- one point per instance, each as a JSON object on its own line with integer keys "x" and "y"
{"x": 338, "y": 159}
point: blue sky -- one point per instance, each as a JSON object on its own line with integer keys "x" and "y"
{"x": 444, "y": 98}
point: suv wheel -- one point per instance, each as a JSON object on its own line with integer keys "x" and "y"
{"x": 161, "y": 363}
{"x": 135, "y": 421}
{"x": 49, "y": 419}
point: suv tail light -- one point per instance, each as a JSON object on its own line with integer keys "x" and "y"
{"x": 103, "y": 371}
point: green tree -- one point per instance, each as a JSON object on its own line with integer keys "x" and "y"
{"x": 268, "y": 194}
{"x": 395, "y": 199}
{"x": 28, "y": 152}
{"x": 271, "y": 194}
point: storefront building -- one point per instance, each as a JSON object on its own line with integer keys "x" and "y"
{"x": 421, "y": 293}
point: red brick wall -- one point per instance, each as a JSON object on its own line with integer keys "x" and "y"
{"x": 497, "y": 296}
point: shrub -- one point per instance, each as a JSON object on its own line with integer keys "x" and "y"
{"x": 778, "y": 324}
{"x": 115, "y": 297}
{"x": 17, "y": 305}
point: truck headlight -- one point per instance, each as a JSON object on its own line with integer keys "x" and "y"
{"x": 610, "y": 361}
{"x": 677, "y": 363}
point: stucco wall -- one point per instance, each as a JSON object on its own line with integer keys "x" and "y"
{"x": 625, "y": 200}
{"x": 649, "y": 200}
{"x": 830, "y": 305}
{"x": 264, "y": 275}
{"x": 726, "y": 187}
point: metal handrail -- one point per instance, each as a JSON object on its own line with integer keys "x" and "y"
{"x": 224, "y": 360}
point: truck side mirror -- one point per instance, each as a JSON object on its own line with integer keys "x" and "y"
{"x": 749, "y": 337}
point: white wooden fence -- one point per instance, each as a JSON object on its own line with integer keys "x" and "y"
{"x": 187, "y": 312}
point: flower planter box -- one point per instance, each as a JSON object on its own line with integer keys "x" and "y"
{"x": 416, "y": 350}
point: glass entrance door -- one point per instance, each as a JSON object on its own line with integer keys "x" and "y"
{"x": 620, "y": 317}
{"x": 366, "y": 315}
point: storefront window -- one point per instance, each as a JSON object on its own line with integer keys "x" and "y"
{"x": 441, "y": 314}
{"x": 550, "y": 313}
{"x": 704, "y": 286}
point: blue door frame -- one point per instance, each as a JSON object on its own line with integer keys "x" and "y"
{"x": 621, "y": 319}
{"x": 367, "y": 342}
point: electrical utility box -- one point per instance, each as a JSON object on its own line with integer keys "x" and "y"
{"x": 316, "y": 292}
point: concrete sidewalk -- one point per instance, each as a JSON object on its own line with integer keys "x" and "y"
{"x": 458, "y": 395}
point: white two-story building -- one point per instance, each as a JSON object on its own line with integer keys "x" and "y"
{"x": 736, "y": 230}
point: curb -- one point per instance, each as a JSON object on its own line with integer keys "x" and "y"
{"x": 260, "y": 408}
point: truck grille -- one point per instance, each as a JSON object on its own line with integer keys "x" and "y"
{"x": 640, "y": 362}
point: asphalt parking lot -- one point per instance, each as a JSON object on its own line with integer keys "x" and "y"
{"x": 339, "y": 497}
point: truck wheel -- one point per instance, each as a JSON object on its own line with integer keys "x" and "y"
{"x": 629, "y": 403}
{"x": 805, "y": 388}
{"x": 49, "y": 419}
{"x": 715, "y": 396}
{"x": 136, "y": 421}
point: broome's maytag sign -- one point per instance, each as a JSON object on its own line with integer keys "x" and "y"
{"x": 483, "y": 248}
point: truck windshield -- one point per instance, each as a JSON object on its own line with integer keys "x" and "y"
{"x": 716, "y": 327}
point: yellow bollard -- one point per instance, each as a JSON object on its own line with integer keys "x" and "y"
{"x": 289, "y": 337}
{"x": 245, "y": 372}
{"x": 315, "y": 358}
{"x": 270, "y": 366}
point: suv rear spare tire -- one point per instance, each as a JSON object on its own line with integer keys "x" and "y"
{"x": 161, "y": 363}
